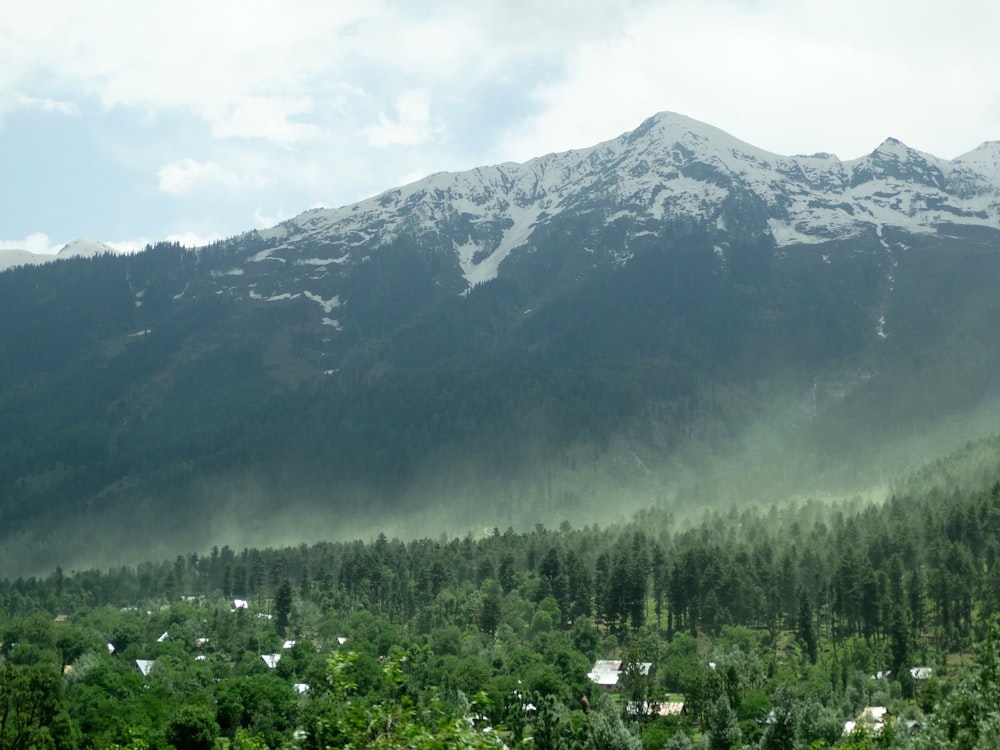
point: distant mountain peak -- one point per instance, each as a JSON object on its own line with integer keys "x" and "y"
{"x": 984, "y": 159}
{"x": 672, "y": 168}
{"x": 83, "y": 248}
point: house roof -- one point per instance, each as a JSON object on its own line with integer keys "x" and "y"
{"x": 603, "y": 678}
{"x": 667, "y": 708}
{"x": 921, "y": 673}
{"x": 671, "y": 708}
{"x": 144, "y": 666}
{"x": 873, "y": 718}
{"x": 607, "y": 665}
{"x": 271, "y": 660}
{"x": 606, "y": 672}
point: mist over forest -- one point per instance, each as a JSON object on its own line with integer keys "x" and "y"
{"x": 724, "y": 418}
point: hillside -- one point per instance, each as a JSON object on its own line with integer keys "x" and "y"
{"x": 671, "y": 317}
{"x": 770, "y": 626}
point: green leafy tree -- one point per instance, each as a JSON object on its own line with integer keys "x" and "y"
{"x": 32, "y": 712}
{"x": 723, "y": 726}
{"x": 343, "y": 719}
{"x": 678, "y": 741}
{"x": 610, "y": 733}
{"x": 783, "y": 727}
{"x": 193, "y": 727}
{"x": 490, "y": 610}
{"x": 969, "y": 717}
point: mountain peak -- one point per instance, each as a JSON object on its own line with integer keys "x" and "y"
{"x": 893, "y": 160}
{"x": 893, "y": 148}
{"x": 984, "y": 159}
{"x": 83, "y": 248}
{"x": 670, "y": 168}
{"x": 670, "y": 128}
{"x": 79, "y": 248}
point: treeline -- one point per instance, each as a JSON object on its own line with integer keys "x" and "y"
{"x": 911, "y": 569}
{"x": 745, "y": 616}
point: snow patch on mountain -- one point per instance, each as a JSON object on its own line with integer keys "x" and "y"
{"x": 326, "y": 304}
{"x": 83, "y": 248}
{"x": 323, "y": 261}
{"x": 80, "y": 248}
{"x": 668, "y": 168}
{"x": 15, "y": 258}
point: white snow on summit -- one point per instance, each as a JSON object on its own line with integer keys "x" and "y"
{"x": 80, "y": 248}
{"x": 83, "y": 248}
{"x": 984, "y": 160}
{"x": 14, "y": 258}
{"x": 670, "y": 167}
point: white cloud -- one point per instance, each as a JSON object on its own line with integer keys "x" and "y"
{"x": 268, "y": 117}
{"x": 278, "y": 103}
{"x": 128, "y": 247}
{"x": 193, "y": 239}
{"x": 787, "y": 76}
{"x": 279, "y": 71}
{"x": 45, "y": 104}
{"x": 187, "y": 174}
{"x": 412, "y": 126}
{"x": 37, "y": 242}
{"x": 412, "y": 176}
{"x": 263, "y": 220}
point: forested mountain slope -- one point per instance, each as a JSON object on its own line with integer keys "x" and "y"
{"x": 640, "y": 322}
{"x": 775, "y": 626}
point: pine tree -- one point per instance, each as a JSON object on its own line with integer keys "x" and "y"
{"x": 283, "y": 606}
{"x": 723, "y": 727}
{"x": 804, "y": 626}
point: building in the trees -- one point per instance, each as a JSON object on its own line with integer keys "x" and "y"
{"x": 607, "y": 672}
{"x": 872, "y": 719}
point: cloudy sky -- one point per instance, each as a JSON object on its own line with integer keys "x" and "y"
{"x": 131, "y": 122}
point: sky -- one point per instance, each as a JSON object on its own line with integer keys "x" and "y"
{"x": 134, "y": 122}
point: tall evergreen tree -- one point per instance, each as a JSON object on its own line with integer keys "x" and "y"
{"x": 283, "y": 607}
{"x": 805, "y": 627}
{"x": 723, "y": 726}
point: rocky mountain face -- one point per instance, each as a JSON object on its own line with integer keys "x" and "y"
{"x": 671, "y": 171}
{"x": 514, "y": 342}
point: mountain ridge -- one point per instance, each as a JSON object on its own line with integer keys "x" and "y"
{"x": 78, "y": 248}
{"x": 624, "y": 323}
{"x": 808, "y": 199}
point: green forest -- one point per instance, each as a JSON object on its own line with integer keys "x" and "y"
{"x": 817, "y": 624}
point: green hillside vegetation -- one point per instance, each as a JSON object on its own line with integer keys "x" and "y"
{"x": 774, "y": 625}
{"x": 132, "y": 385}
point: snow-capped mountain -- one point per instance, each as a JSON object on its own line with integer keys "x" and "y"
{"x": 670, "y": 168}
{"x": 672, "y": 174}
{"x": 79, "y": 248}
{"x": 528, "y": 329}
{"x": 14, "y": 257}
{"x": 83, "y": 248}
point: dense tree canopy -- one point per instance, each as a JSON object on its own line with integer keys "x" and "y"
{"x": 773, "y": 626}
